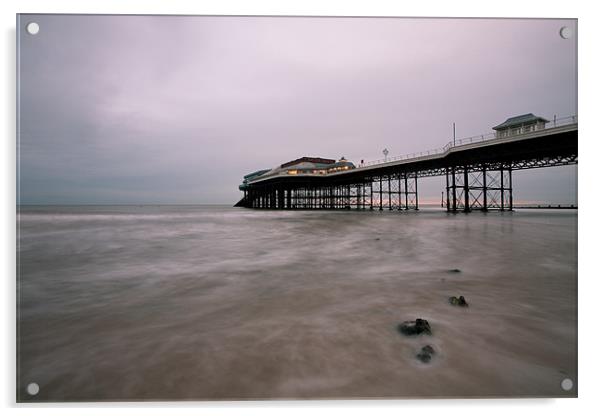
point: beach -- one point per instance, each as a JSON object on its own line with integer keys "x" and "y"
{"x": 221, "y": 303}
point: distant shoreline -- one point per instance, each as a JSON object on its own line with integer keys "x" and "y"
{"x": 123, "y": 205}
{"x": 516, "y": 207}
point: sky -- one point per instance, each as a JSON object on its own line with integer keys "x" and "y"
{"x": 176, "y": 109}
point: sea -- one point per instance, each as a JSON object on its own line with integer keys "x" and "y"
{"x": 161, "y": 303}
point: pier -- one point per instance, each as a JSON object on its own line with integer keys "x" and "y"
{"x": 478, "y": 172}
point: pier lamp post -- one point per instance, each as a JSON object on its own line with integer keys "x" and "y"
{"x": 385, "y": 152}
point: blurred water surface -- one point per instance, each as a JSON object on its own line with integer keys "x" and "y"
{"x": 214, "y": 302}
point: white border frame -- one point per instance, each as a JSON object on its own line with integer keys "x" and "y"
{"x": 589, "y": 196}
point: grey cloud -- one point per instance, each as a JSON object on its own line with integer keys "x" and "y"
{"x": 143, "y": 109}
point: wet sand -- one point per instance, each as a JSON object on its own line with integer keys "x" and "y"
{"x": 203, "y": 303}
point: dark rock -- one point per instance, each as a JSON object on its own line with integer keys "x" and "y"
{"x": 417, "y": 327}
{"x": 426, "y": 353}
{"x": 454, "y": 271}
{"x": 424, "y": 357}
{"x": 458, "y": 301}
{"x": 377, "y": 239}
{"x": 428, "y": 349}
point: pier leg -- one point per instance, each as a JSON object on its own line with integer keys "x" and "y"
{"x": 405, "y": 181}
{"x": 454, "y": 194}
{"x": 307, "y": 197}
{"x": 331, "y": 196}
{"x": 466, "y": 191}
{"x": 416, "y": 190}
{"x": 399, "y": 191}
{"x": 363, "y": 195}
{"x": 502, "y": 188}
{"x": 335, "y": 197}
{"x": 447, "y": 188}
{"x": 320, "y": 196}
{"x": 484, "y": 188}
{"x": 348, "y": 204}
{"x": 510, "y": 187}
{"x": 333, "y": 202}
{"x": 389, "y": 180}
{"x": 380, "y": 190}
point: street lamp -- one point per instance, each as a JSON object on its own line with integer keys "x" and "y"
{"x": 385, "y": 152}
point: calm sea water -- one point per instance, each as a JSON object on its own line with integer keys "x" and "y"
{"x": 197, "y": 302}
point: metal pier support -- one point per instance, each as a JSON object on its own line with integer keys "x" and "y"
{"x": 483, "y": 187}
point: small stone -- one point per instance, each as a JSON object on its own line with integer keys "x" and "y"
{"x": 454, "y": 271}
{"x": 377, "y": 239}
{"x": 417, "y": 327}
{"x": 424, "y": 357}
{"x": 426, "y": 353}
{"x": 458, "y": 301}
{"x": 428, "y": 349}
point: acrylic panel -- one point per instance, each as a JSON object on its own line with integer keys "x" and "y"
{"x": 262, "y": 207}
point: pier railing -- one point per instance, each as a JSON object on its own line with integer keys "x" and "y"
{"x": 556, "y": 122}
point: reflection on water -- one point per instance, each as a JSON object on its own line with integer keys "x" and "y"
{"x": 189, "y": 302}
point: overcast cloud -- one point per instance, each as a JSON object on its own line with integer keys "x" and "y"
{"x": 146, "y": 109}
